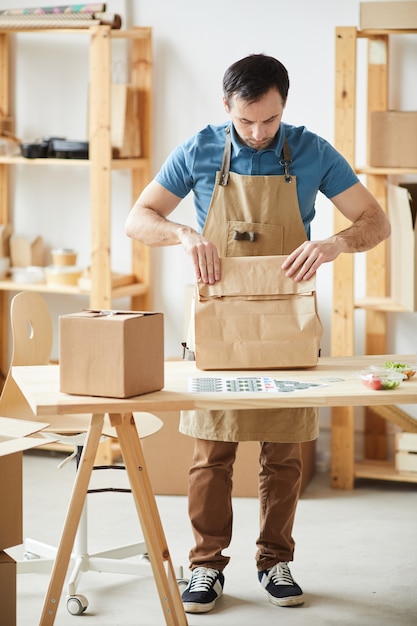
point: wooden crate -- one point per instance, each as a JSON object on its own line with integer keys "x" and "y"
{"x": 406, "y": 452}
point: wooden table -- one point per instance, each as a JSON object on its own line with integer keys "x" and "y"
{"x": 340, "y": 387}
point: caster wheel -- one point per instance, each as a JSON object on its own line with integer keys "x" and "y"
{"x": 181, "y": 581}
{"x": 76, "y": 605}
{"x": 182, "y": 584}
{"x": 30, "y": 556}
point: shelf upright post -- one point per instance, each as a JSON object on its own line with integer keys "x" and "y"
{"x": 100, "y": 166}
{"x": 342, "y": 331}
{"x": 375, "y": 441}
{"x": 141, "y": 77}
{"x": 4, "y": 190}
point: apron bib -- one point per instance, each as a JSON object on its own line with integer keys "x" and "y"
{"x": 253, "y": 216}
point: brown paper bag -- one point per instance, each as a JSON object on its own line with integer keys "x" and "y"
{"x": 125, "y": 120}
{"x": 256, "y": 318}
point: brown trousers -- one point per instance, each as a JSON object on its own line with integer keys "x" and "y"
{"x": 210, "y": 501}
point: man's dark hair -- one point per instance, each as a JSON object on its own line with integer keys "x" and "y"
{"x": 252, "y": 77}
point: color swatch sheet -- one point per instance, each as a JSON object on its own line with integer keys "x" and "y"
{"x": 250, "y": 384}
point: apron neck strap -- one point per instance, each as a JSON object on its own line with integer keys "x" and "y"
{"x": 285, "y": 161}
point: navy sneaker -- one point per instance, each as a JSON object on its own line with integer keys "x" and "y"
{"x": 280, "y": 586}
{"x": 201, "y": 593}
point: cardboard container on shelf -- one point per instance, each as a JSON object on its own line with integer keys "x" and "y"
{"x": 125, "y": 113}
{"x": 6, "y": 231}
{"x": 7, "y": 589}
{"x": 14, "y": 438}
{"x": 111, "y": 353}
{"x": 169, "y": 456}
{"x": 24, "y": 253}
{"x": 402, "y": 206}
{"x": 388, "y": 15}
{"x": 393, "y": 138}
{"x": 406, "y": 452}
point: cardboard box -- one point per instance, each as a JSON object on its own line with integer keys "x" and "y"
{"x": 14, "y": 438}
{"x": 388, "y": 15}
{"x": 7, "y": 590}
{"x": 402, "y": 206}
{"x": 114, "y": 354}
{"x": 169, "y": 456}
{"x": 406, "y": 452}
{"x": 393, "y": 139}
{"x": 11, "y": 531}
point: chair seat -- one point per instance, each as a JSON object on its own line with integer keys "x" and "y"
{"x": 69, "y": 425}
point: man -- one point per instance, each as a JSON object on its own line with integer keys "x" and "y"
{"x": 253, "y": 169}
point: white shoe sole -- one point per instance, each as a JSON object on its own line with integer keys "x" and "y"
{"x": 288, "y": 601}
{"x": 198, "y": 607}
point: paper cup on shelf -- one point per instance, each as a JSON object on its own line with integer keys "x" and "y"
{"x": 63, "y": 256}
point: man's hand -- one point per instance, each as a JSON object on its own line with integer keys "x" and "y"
{"x": 305, "y": 260}
{"x": 369, "y": 226}
{"x": 203, "y": 253}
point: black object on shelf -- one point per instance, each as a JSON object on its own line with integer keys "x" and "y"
{"x": 63, "y": 149}
{"x": 39, "y": 149}
{"x": 55, "y": 147}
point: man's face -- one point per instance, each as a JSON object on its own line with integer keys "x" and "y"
{"x": 256, "y": 123}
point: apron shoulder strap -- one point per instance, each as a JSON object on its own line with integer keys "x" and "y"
{"x": 227, "y": 153}
{"x": 286, "y": 160}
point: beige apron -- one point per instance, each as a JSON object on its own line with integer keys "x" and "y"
{"x": 248, "y": 216}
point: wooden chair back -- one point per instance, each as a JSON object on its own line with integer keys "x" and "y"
{"x": 32, "y": 336}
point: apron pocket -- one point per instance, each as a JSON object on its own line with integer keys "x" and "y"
{"x": 252, "y": 239}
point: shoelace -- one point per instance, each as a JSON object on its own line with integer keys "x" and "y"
{"x": 202, "y": 579}
{"x": 280, "y": 575}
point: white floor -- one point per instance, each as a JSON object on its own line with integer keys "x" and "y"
{"x": 356, "y": 556}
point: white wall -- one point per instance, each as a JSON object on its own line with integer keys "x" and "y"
{"x": 194, "y": 42}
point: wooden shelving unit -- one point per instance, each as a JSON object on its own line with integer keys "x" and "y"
{"x": 378, "y": 301}
{"x": 104, "y": 288}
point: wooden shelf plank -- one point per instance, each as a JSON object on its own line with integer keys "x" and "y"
{"x": 383, "y": 470}
{"x": 131, "y": 289}
{"x": 116, "y": 164}
{"x": 385, "y": 171}
{"x": 374, "y": 32}
{"x": 380, "y": 304}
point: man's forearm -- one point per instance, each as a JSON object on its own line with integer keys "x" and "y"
{"x": 368, "y": 231}
{"x": 152, "y": 229}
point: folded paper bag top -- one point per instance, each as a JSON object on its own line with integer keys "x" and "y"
{"x": 256, "y": 317}
{"x": 114, "y": 354}
{"x": 255, "y": 276}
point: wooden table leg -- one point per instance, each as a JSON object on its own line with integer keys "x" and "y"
{"x": 343, "y": 452}
{"x": 72, "y": 521}
{"x": 148, "y": 513}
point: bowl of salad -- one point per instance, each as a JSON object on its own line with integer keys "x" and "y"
{"x": 403, "y": 368}
{"x": 381, "y": 379}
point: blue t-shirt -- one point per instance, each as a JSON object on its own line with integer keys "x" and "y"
{"x": 192, "y": 166}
